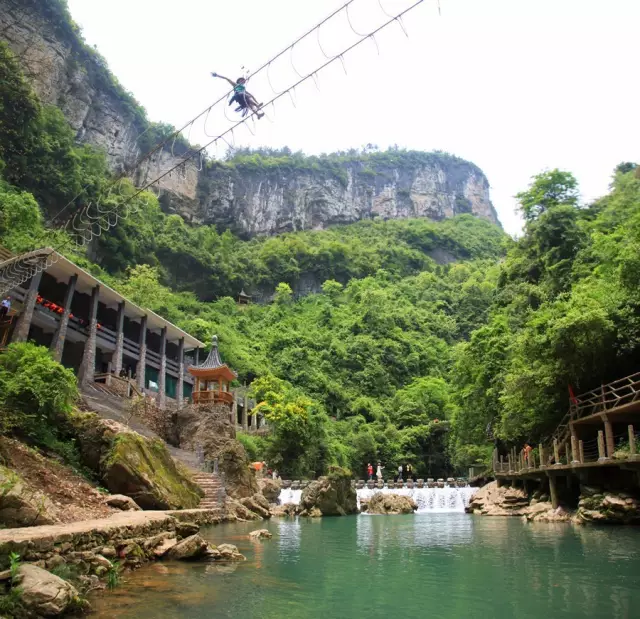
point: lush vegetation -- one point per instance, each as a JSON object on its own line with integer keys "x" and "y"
{"x": 395, "y": 357}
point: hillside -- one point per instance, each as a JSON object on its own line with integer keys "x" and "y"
{"x": 262, "y": 193}
{"x": 400, "y": 340}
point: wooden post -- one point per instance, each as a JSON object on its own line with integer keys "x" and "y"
{"x": 566, "y": 452}
{"x": 601, "y": 453}
{"x": 574, "y": 449}
{"x": 632, "y": 441}
{"x": 542, "y": 459}
{"x": 502, "y": 464}
{"x": 556, "y": 452}
{"x": 509, "y": 461}
{"x": 494, "y": 459}
{"x": 581, "y": 450}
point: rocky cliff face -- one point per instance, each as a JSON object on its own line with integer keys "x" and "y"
{"x": 272, "y": 200}
{"x": 248, "y": 199}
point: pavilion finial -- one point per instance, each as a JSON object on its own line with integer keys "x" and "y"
{"x": 214, "y": 341}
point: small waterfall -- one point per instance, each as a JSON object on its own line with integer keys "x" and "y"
{"x": 288, "y": 495}
{"x": 447, "y": 499}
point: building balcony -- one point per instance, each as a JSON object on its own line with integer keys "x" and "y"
{"x": 212, "y": 397}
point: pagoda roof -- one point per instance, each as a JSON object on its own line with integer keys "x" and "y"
{"x": 213, "y": 365}
{"x": 244, "y": 294}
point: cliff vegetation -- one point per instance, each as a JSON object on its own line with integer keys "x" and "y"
{"x": 423, "y": 342}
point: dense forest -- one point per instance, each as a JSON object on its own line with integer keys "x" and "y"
{"x": 425, "y": 342}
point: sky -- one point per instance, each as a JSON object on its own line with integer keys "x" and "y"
{"x": 515, "y": 86}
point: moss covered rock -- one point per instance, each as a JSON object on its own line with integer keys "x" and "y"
{"x": 332, "y": 495}
{"x": 138, "y": 467}
{"x": 144, "y": 470}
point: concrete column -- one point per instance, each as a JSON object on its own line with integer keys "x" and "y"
{"x": 142, "y": 355}
{"x": 553, "y": 491}
{"x": 254, "y": 418}
{"x": 632, "y": 441}
{"x": 608, "y": 437}
{"x": 57, "y": 343}
{"x": 245, "y": 415}
{"x": 581, "y": 451}
{"x": 602, "y": 454}
{"x": 26, "y": 316}
{"x": 88, "y": 366}
{"x": 556, "y": 452}
{"x": 180, "y": 388}
{"x": 574, "y": 449}
{"x": 234, "y": 410}
{"x": 541, "y": 453}
{"x": 117, "y": 354}
{"x": 196, "y": 360}
{"x": 162, "y": 377}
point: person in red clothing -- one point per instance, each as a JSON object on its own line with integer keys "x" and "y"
{"x": 370, "y": 471}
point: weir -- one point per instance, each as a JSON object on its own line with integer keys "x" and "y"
{"x": 450, "y": 499}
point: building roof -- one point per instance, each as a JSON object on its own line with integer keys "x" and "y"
{"x": 213, "y": 364}
{"x": 62, "y": 269}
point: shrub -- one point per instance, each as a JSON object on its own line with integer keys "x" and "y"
{"x": 35, "y": 388}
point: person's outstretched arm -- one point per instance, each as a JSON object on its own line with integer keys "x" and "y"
{"x": 233, "y": 84}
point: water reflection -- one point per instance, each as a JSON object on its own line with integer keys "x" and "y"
{"x": 445, "y": 566}
{"x": 289, "y": 538}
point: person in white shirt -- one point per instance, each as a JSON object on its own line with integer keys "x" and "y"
{"x": 5, "y": 306}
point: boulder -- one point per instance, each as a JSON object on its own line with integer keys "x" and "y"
{"x": 258, "y": 504}
{"x": 135, "y": 466}
{"x": 332, "y": 495}
{"x": 229, "y": 552}
{"x": 270, "y": 488}
{"x": 190, "y": 548}
{"x": 45, "y": 594}
{"x": 234, "y": 510}
{"x": 120, "y": 501}
{"x": 381, "y": 503}
{"x": 288, "y": 509}
{"x": 186, "y": 529}
{"x": 164, "y": 546}
{"x": 608, "y": 508}
{"x": 260, "y": 534}
{"x": 208, "y": 427}
{"x": 493, "y": 501}
{"x": 21, "y": 506}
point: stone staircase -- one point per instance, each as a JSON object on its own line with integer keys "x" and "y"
{"x": 214, "y": 492}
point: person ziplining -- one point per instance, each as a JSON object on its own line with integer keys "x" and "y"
{"x": 245, "y": 100}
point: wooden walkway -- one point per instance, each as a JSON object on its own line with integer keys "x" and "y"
{"x": 578, "y": 443}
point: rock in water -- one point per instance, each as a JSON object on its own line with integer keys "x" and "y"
{"x": 187, "y": 529}
{"x": 44, "y": 593}
{"x": 189, "y": 548}
{"x": 229, "y": 552}
{"x": 258, "y": 505}
{"x": 493, "y": 501}
{"x": 381, "y": 503}
{"x": 260, "y": 534}
{"x": 120, "y": 501}
{"x": 608, "y": 508}
{"x": 331, "y": 495}
{"x": 270, "y": 488}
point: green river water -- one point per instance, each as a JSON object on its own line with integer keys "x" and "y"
{"x": 439, "y": 566}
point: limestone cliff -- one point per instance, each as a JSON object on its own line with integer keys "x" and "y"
{"x": 311, "y": 193}
{"x": 248, "y": 198}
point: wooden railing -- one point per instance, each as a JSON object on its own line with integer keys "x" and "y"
{"x": 124, "y": 387}
{"x": 561, "y": 448}
{"x": 212, "y": 397}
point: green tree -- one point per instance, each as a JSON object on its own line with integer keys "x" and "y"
{"x": 548, "y": 189}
